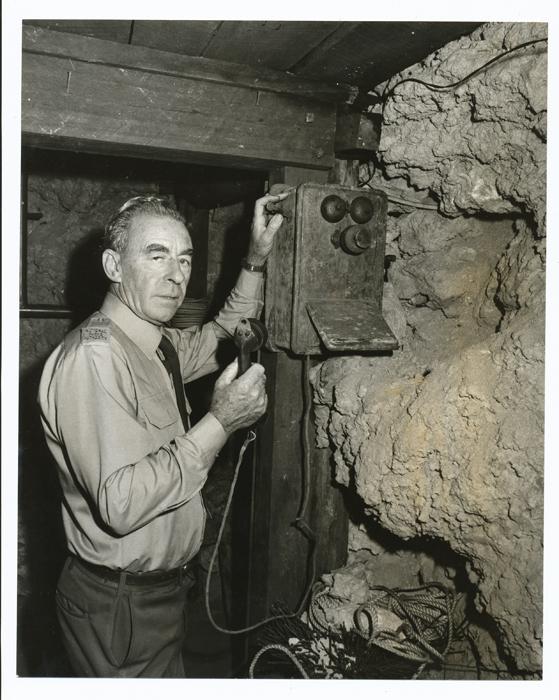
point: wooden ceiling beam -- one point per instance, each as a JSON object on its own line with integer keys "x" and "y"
{"x": 274, "y": 44}
{"x": 108, "y": 29}
{"x": 100, "y": 97}
{"x": 370, "y": 52}
{"x": 176, "y": 36}
{"x": 73, "y": 46}
{"x": 319, "y": 52}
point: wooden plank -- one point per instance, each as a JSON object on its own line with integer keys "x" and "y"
{"x": 374, "y": 51}
{"x": 95, "y": 104}
{"x": 190, "y": 38}
{"x": 328, "y": 514}
{"x": 320, "y": 53}
{"x": 279, "y": 570}
{"x": 108, "y": 29}
{"x": 45, "y": 42}
{"x": 275, "y": 44}
{"x": 351, "y": 325}
{"x": 279, "y": 550}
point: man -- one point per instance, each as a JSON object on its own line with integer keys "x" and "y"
{"x": 130, "y": 466}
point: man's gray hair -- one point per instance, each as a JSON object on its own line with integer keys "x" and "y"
{"x": 118, "y": 227}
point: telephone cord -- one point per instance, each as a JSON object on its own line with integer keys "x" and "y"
{"x": 299, "y": 522}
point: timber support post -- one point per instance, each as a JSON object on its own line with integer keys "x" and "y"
{"x": 280, "y": 569}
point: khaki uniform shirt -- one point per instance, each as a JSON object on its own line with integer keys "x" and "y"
{"x": 130, "y": 476}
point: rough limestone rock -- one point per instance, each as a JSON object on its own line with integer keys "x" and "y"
{"x": 444, "y": 439}
{"x": 481, "y": 146}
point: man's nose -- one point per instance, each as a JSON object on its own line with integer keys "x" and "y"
{"x": 175, "y": 272}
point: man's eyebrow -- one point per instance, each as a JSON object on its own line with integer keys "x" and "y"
{"x": 156, "y": 248}
{"x": 159, "y": 248}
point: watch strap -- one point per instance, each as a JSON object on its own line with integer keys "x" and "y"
{"x": 252, "y": 268}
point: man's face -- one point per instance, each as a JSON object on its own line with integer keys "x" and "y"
{"x": 155, "y": 267}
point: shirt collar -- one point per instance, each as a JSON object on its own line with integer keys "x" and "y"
{"x": 146, "y": 335}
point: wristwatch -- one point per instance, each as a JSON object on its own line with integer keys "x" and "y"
{"x": 252, "y": 268}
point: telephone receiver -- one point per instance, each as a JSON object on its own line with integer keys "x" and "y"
{"x": 250, "y": 335}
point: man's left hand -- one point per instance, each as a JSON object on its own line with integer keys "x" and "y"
{"x": 264, "y": 228}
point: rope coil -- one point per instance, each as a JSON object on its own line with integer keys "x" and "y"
{"x": 409, "y": 623}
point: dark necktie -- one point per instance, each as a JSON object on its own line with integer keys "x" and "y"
{"x": 171, "y": 363}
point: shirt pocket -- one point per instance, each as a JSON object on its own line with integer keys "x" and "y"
{"x": 159, "y": 410}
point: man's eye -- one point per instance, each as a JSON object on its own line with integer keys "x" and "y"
{"x": 185, "y": 261}
{"x": 157, "y": 257}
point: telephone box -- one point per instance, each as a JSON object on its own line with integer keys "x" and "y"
{"x": 326, "y": 272}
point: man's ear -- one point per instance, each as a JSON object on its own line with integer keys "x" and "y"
{"x": 111, "y": 265}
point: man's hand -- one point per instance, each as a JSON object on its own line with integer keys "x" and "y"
{"x": 239, "y": 403}
{"x": 264, "y": 228}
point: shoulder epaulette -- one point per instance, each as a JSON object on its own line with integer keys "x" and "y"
{"x": 97, "y": 330}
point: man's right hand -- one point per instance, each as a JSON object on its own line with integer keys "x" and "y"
{"x": 239, "y": 403}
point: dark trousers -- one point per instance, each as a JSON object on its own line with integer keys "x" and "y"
{"x": 121, "y": 630}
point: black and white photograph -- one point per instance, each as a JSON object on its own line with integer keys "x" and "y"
{"x": 278, "y": 371}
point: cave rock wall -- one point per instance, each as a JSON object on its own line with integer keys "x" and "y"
{"x": 444, "y": 439}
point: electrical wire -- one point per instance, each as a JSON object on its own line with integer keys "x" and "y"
{"x": 406, "y": 202}
{"x": 299, "y": 521}
{"x": 388, "y": 92}
{"x": 251, "y": 436}
{"x": 223, "y": 328}
{"x": 409, "y": 203}
{"x": 363, "y": 183}
{"x": 434, "y": 86}
{"x": 390, "y": 198}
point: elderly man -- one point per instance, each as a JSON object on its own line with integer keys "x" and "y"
{"x": 130, "y": 465}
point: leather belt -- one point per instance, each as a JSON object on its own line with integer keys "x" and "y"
{"x": 147, "y": 578}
